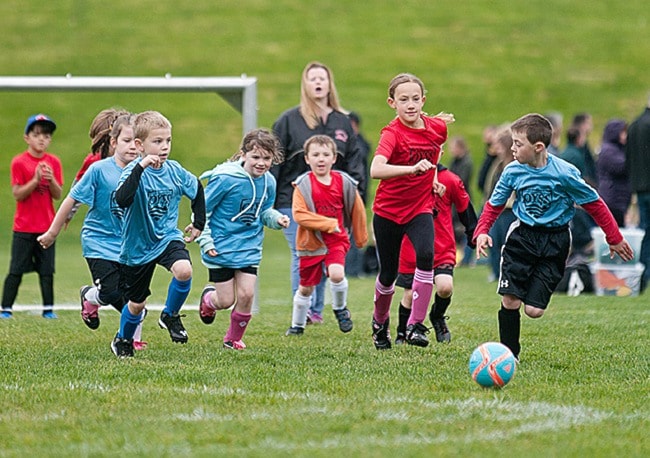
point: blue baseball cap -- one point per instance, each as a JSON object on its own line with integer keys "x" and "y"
{"x": 39, "y": 118}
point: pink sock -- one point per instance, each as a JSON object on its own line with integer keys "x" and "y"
{"x": 422, "y": 290}
{"x": 383, "y": 298}
{"x": 238, "y": 323}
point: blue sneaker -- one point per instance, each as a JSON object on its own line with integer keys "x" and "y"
{"x": 6, "y": 314}
{"x": 49, "y": 315}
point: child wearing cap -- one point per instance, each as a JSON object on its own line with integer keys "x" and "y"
{"x": 36, "y": 179}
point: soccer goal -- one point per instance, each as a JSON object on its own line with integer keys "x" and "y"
{"x": 240, "y": 92}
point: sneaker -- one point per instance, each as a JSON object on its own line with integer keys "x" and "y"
{"x": 401, "y": 338}
{"x": 294, "y": 331}
{"x": 174, "y": 325}
{"x": 416, "y": 334}
{"x": 441, "y": 329}
{"x": 344, "y": 318}
{"x": 6, "y": 314}
{"x": 122, "y": 348}
{"x": 49, "y": 315}
{"x": 314, "y": 318}
{"x": 207, "y": 312}
{"x": 381, "y": 335}
{"x": 140, "y": 345}
{"x": 234, "y": 345}
{"x": 89, "y": 312}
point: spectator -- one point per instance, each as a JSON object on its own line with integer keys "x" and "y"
{"x": 613, "y": 179}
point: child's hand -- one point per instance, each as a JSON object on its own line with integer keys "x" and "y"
{"x": 422, "y": 167}
{"x": 439, "y": 188}
{"x": 212, "y": 253}
{"x": 151, "y": 160}
{"x": 482, "y": 242}
{"x": 192, "y": 232}
{"x": 623, "y": 249}
{"x": 448, "y": 118}
{"x": 46, "y": 239}
{"x": 284, "y": 221}
{"x": 46, "y": 171}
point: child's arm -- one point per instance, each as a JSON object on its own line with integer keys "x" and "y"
{"x": 23, "y": 191}
{"x": 488, "y": 217}
{"x": 381, "y": 169}
{"x": 359, "y": 223}
{"x": 603, "y": 217}
{"x": 47, "y": 173}
{"x": 198, "y": 214}
{"x": 311, "y": 220}
{"x": 469, "y": 220}
{"x": 274, "y": 219}
{"x": 58, "y": 222}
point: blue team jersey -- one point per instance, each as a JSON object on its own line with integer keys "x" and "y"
{"x": 101, "y": 234}
{"x": 543, "y": 196}
{"x": 151, "y": 221}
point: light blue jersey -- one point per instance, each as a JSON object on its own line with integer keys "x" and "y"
{"x": 237, "y": 207}
{"x": 151, "y": 221}
{"x": 544, "y": 196}
{"x": 101, "y": 234}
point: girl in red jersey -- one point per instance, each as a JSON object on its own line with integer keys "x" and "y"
{"x": 405, "y": 162}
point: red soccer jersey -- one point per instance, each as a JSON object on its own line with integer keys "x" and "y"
{"x": 400, "y": 199}
{"x": 328, "y": 201}
{"x": 35, "y": 213}
{"x": 444, "y": 245}
{"x": 88, "y": 161}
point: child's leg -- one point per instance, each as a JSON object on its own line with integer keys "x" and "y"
{"x": 179, "y": 287}
{"x": 444, "y": 289}
{"x": 510, "y": 323}
{"x": 46, "y": 283}
{"x": 388, "y": 237}
{"x": 420, "y": 232}
{"x": 10, "y": 290}
{"x": 240, "y": 316}
{"x": 132, "y": 315}
{"x": 301, "y": 301}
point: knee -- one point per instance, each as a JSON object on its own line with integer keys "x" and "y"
{"x": 112, "y": 297}
{"x": 182, "y": 271}
{"x": 444, "y": 291}
{"x": 534, "y": 312}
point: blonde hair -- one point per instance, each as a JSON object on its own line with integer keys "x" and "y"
{"x": 401, "y": 79}
{"x": 262, "y": 139}
{"x": 322, "y": 140}
{"x": 147, "y": 121}
{"x": 100, "y": 130}
{"x": 308, "y": 108}
{"x": 120, "y": 123}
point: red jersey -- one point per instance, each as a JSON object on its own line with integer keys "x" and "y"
{"x": 328, "y": 201}
{"x": 444, "y": 245}
{"x": 400, "y": 199}
{"x": 35, "y": 213}
{"x": 88, "y": 161}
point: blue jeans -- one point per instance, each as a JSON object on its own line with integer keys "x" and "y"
{"x": 318, "y": 296}
{"x": 643, "y": 199}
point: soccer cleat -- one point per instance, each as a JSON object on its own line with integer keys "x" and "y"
{"x": 234, "y": 345}
{"x": 294, "y": 331}
{"x": 89, "y": 312}
{"x": 122, "y": 348}
{"x": 314, "y": 318}
{"x": 207, "y": 311}
{"x": 441, "y": 329}
{"x": 174, "y": 325}
{"x": 401, "y": 338}
{"x": 140, "y": 345}
{"x": 344, "y": 318}
{"x": 49, "y": 315}
{"x": 6, "y": 314}
{"x": 416, "y": 334}
{"x": 381, "y": 335}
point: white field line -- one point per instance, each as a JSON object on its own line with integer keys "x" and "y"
{"x": 77, "y": 306}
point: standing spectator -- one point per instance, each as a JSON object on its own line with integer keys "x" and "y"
{"x": 555, "y": 119}
{"x": 36, "y": 179}
{"x": 613, "y": 179}
{"x": 488, "y": 138}
{"x": 463, "y": 166}
{"x": 583, "y": 158}
{"x": 638, "y": 166}
{"x": 319, "y": 112}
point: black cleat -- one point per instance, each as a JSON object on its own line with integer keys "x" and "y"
{"x": 381, "y": 335}
{"x": 174, "y": 325}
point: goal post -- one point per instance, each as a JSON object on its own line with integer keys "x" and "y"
{"x": 240, "y": 92}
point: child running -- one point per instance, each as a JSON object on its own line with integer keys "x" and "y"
{"x": 405, "y": 162}
{"x": 150, "y": 189}
{"x": 325, "y": 203}
{"x": 444, "y": 255}
{"x": 535, "y": 251}
{"x": 239, "y": 200}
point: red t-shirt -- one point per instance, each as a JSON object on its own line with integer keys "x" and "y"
{"x": 35, "y": 213}
{"x": 444, "y": 245}
{"x": 400, "y": 199}
{"x": 328, "y": 201}
{"x": 88, "y": 161}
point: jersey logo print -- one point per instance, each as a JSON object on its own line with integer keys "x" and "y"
{"x": 116, "y": 210}
{"x": 248, "y": 217}
{"x": 537, "y": 202}
{"x": 158, "y": 203}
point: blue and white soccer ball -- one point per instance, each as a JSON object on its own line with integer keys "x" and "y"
{"x": 492, "y": 365}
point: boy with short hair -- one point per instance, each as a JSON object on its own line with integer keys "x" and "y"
{"x": 150, "y": 189}
{"x": 36, "y": 179}
{"x": 534, "y": 254}
{"x": 325, "y": 203}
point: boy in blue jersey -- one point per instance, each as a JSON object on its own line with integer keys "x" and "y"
{"x": 150, "y": 189}
{"x": 239, "y": 200}
{"x": 534, "y": 254}
{"x": 101, "y": 234}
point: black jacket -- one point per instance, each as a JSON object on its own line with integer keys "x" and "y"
{"x": 637, "y": 152}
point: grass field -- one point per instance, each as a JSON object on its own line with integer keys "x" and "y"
{"x": 583, "y": 387}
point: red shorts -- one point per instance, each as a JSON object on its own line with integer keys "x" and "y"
{"x": 311, "y": 267}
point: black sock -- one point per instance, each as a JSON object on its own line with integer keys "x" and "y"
{"x": 404, "y": 315}
{"x": 509, "y": 329}
{"x": 439, "y": 307}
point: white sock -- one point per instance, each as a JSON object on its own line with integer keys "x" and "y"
{"x": 300, "y": 307}
{"x": 137, "y": 336}
{"x": 92, "y": 296}
{"x": 340, "y": 294}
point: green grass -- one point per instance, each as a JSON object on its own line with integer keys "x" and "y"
{"x": 582, "y": 388}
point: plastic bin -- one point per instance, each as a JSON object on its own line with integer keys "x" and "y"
{"x": 601, "y": 248}
{"x": 613, "y": 280}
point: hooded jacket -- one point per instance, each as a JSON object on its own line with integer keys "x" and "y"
{"x": 613, "y": 179}
{"x": 238, "y": 207}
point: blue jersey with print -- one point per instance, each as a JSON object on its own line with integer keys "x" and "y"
{"x": 101, "y": 234}
{"x": 151, "y": 221}
{"x": 544, "y": 196}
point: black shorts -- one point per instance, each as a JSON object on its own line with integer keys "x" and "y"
{"x": 533, "y": 262}
{"x": 107, "y": 278}
{"x": 224, "y": 274}
{"x": 137, "y": 279}
{"x": 27, "y": 255}
{"x": 406, "y": 280}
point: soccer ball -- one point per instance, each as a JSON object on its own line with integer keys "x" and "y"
{"x": 492, "y": 364}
